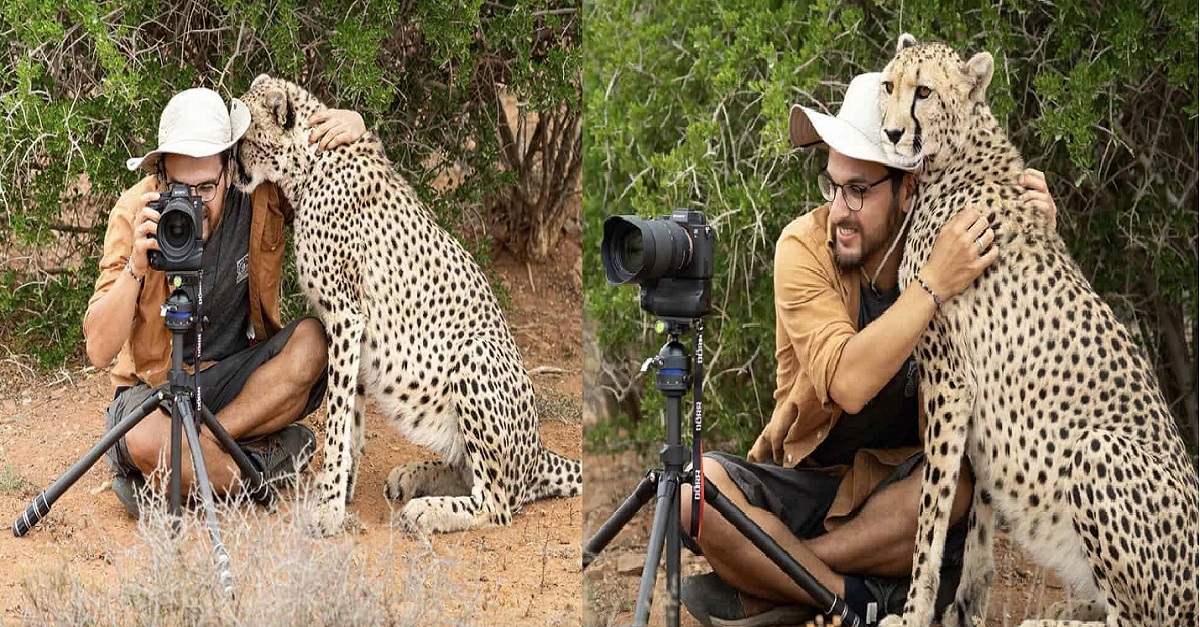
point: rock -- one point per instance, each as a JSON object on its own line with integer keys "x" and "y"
{"x": 631, "y": 565}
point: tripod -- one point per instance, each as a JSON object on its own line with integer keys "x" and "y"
{"x": 184, "y": 404}
{"x": 674, "y": 367}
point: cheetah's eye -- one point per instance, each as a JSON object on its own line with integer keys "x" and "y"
{"x": 923, "y": 92}
{"x": 887, "y": 87}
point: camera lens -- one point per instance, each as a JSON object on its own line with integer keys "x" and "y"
{"x": 636, "y": 250}
{"x": 176, "y": 233}
{"x": 176, "y": 229}
{"x": 632, "y": 250}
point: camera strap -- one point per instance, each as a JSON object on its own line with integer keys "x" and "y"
{"x": 198, "y": 325}
{"x": 697, "y": 425}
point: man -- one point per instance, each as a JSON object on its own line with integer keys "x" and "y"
{"x": 259, "y": 376}
{"x": 835, "y": 477}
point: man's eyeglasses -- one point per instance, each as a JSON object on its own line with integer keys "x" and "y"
{"x": 207, "y": 190}
{"x": 852, "y": 193}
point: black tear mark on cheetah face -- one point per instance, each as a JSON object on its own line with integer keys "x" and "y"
{"x": 927, "y": 95}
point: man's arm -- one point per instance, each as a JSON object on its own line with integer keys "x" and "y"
{"x": 875, "y": 354}
{"x": 108, "y": 322}
{"x": 848, "y": 368}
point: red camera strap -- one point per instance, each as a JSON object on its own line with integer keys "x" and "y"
{"x": 697, "y": 428}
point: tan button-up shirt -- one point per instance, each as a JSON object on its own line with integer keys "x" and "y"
{"x": 146, "y": 356}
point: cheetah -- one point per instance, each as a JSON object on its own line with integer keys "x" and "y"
{"x": 1031, "y": 376}
{"x": 410, "y": 319}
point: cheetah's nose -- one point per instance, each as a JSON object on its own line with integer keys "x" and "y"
{"x": 895, "y": 135}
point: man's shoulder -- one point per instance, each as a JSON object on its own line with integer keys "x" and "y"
{"x": 266, "y": 188}
{"x": 811, "y": 228}
{"x": 130, "y": 198}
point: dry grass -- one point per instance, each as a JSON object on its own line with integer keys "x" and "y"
{"x": 282, "y": 576}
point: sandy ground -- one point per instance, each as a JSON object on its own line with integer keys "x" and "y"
{"x": 525, "y": 574}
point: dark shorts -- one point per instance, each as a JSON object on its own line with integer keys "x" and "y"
{"x": 222, "y": 382}
{"x": 801, "y": 497}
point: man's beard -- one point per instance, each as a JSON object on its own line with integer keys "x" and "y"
{"x": 869, "y": 243}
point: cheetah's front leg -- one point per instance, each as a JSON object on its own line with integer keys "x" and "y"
{"x": 971, "y": 599}
{"x": 341, "y": 442}
{"x": 360, "y": 438}
{"x": 949, "y": 410}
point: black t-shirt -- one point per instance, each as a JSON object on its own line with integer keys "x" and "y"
{"x": 226, "y": 283}
{"x": 890, "y": 419}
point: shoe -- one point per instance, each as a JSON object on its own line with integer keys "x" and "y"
{"x": 891, "y": 594}
{"x": 285, "y": 453}
{"x": 128, "y": 489}
{"x": 713, "y": 602}
{"x": 888, "y": 595}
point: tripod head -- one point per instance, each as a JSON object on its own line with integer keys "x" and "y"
{"x": 177, "y": 311}
{"x": 673, "y": 362}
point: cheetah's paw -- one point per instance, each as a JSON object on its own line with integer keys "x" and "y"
{"x": 417, "y": 517}
{"x": 328, "y": 518}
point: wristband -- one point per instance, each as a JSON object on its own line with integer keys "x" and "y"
{"x": 937, "y": 300}
{"x": 129, "y": 269}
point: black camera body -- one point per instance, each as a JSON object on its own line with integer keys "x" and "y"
{"x": 180, "y": 230}
{"x": 671, "y": 258}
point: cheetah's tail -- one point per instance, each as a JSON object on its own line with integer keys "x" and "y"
{"x": 556, "y": 476}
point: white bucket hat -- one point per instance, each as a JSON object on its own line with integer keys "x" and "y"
{"x": 195, "y": 123}
{"x": 855, "y": 132}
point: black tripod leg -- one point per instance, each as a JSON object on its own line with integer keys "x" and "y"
{"x": 220, "y": 554}
{"x": 256, "y": 487}
{"x": 662, "y": 510}
{"x": 765, "y": 543}
{"x": 175, "y": 485}
{"x": 674, "y": 542}
{"x": 41, "y": 504}
{"x": 611, "y": 527}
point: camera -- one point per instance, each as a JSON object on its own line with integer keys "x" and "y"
{"x": 180, "y": 230}
{"x": 671, "y": 258}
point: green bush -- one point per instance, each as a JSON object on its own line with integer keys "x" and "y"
{"x": 686, "y": 106}
{"x": 84, "y": 82}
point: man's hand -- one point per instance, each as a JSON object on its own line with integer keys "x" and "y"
{"x": 960, "y": 254}
{"x": 334, "y": 127}
{"x": 145, "y": 229}
{"x": 1037, "y": 195}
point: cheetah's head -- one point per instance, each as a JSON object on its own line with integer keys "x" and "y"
{"x": 926, "y": 95}
{"x": 275, "y": 148}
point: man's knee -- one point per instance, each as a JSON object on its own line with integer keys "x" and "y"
{"x": 307, "y": 350}
{"x": 715, "y": 473}
{"x": 147, "y": 446}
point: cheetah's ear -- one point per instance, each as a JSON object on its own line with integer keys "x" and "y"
{"x": 979, "y": 74}
{"x": 258, "y": 79}
{"x": 906, "y": 41}
{"x": 280, "y": 106}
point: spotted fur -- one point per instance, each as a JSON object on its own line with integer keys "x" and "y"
{"x": 1030, "y": 374}
{"x": 411, "y": 320}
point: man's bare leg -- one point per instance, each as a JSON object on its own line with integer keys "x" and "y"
{"x": 736, "y": 560}
{"x": 271, "y": 399}
{"x": 277, "y": 392}
{"x": 879, "y": 540}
